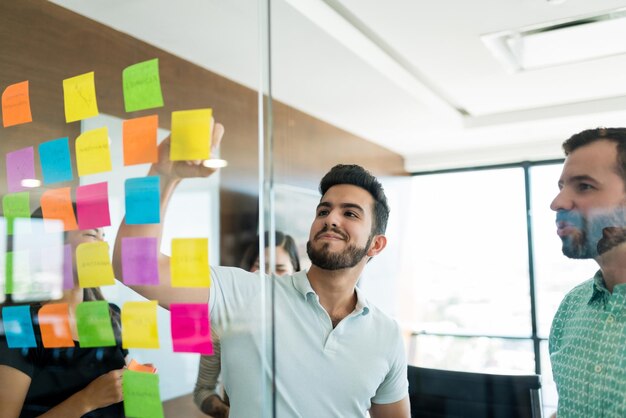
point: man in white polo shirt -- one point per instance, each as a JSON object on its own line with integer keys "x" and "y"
{"x": 335, "y": 354}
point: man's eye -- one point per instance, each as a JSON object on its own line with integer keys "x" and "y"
{"x": 322, "y": 213}
{"x": 584, "y": 187}
{"x": 351, "y": 214}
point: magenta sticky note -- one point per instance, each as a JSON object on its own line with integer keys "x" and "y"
{"x": 68, "y": 267}
{"x": 92, "y": 206}
{"x": 191, "y": 328}
{"x": 139, "y": 261}
{"x": 20, "y": 166}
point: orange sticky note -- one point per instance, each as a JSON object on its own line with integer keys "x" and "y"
{"x": 79, "y": 94}
{"x": 138, "y": 367}
{"x": 93, "y": 265}
{"x": 189, "y": 264}
{"x": 93, "y": 154}
{"x": 54, "y": 323}
{"x": 16, "y": 105}
{"x": 140, "y": 140}
{"x": 139, "y": 325}
{"x": 57, "y": 204}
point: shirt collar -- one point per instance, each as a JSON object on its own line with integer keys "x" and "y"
{"x": 599, "y": 292}
{"x": 302, "y": 285}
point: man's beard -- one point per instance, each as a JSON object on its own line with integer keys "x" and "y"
{"x": 595, "y": 234}
{"x": 327, "y": 260}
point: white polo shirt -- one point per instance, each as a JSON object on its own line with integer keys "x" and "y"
{"x": 320, "y": 371}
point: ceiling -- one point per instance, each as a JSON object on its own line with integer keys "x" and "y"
{"x": 410, "y": 75}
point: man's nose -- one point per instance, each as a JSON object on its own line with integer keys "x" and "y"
{"x": 562, "y": 201}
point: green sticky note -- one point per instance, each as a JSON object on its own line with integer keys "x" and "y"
{"x": 141, "y": 395}
{"x": 15, "y": 205}
{"x": 142, "y": 86}
{"x": 93, "y": 321}
{"x": 8, "y": 274}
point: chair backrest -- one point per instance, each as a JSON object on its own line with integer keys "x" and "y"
{"x": 451, "y": 394}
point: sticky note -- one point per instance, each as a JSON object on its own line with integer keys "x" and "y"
{"x": 189, "y": 264}
{"x": 141, "y": 395}
{"x": 191, "y": 329}
{"x": 138, "y": 367}
{"x": 55, "y": 161}
{"x": 142, "y": 86}
{"x": 142, "y": 200}
{"x": 92, "y": 152}
{"x": 15, "y": 205}
{"x": 16, "y": 105}
{"x": 92, "y": 206}
{"x": 94, "y": 265}
{"x": 18, "y": 326}
{"x": 139, "y": 137}
{"x": 68, "y": 267}
{"x": 56, "y": 204}
{"x": 93, "y": 322}
{"x": 79, "y": 94}
{"x": 139, "y": 325}
{"x": 191, "y": 135}
{"x": 20, "y": 166}
{"x": 55, "y": 325}
{"x": 139, "y": 261}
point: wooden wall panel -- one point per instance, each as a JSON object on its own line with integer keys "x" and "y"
{"x": 44, "y": 43}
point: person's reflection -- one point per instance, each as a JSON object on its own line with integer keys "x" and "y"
{"x": 207, "y": 395}
{"x": 588, "y": 335}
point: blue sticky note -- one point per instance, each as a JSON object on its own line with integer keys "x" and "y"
{"x": 55, "y": 161}
{"x": 142, "y": 200}
{"x": 18, "y": 326}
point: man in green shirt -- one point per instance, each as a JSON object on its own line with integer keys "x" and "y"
{"x": 588, "y": 338}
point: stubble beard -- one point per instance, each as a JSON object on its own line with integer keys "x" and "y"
{"x": 594, "y": 235}
{"x": 327, "y": 260}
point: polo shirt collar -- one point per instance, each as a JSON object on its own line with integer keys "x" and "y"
{"x": 303, "y": 286}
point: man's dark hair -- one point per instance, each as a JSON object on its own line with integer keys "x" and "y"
{"x": 589, "y": 136}
{"x": 357, "y": 176}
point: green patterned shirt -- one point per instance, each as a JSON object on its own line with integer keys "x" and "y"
{"x": 588, "y": 351}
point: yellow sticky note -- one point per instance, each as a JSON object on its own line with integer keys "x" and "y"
{"x": 93, "y": 265}
{"x": 139, "y": 325}
{"x": 79, "y": 94}
{"x": 191, "y": 135}
{"x": 189, "y": 264}
{"x": 93, "y": 154}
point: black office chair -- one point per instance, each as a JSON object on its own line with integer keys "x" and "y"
{"x": 450, "y": 394}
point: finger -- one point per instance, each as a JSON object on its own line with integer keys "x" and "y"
{"x": 218, "y": 133}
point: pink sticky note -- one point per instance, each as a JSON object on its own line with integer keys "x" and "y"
{"x": 191, "y": 328}
{"x": 20, "y": 166}
{"x": 68, "y": 268}
{"x": 139, "y": 261}
{"x": 92, "y": 206}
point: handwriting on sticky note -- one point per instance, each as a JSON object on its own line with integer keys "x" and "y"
{"x": 16, "y": 105}
{"x": 191, "y": 135}
{"x": 142, "y": 200}
{"x": 139, "y": 325}
{"x": 93, "y": 323}
{"x": 20, "y": 166}
{"x": 93, "y": 265}
{"x": 92, "y": 152}
{"x": 191, "y": 329}
{"x": 56, "y": 165}
{"x": 142, "y": 86}
{"x": 139, "y": 137}
{"x": 55, "y": 325}
{"x": 92, "y": 206}
{"x": 139, "y": 261}
{"x": 56, "y": 204}
{"x": 189, "y": 263}
{"x": 18, "y": 326}
{"x": 79, "y": 94}
{"x": 141, "y": 395}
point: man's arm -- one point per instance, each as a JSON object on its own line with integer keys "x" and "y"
{"x": 171, "y": 173}
{"x": 400, "y": 409}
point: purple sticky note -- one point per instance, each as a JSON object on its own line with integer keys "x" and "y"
{"x": 139, "y": 261}
{"x": 20, "y": 166}
{"x": 92, "y": 206}
{"x": 191, "y": 328}
{"x": 68, "y": 268}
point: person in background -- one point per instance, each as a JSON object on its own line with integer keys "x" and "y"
{"x": 588, "y": 335}
{"x": 64, "y": 382}
{"x": 206, "y": 395}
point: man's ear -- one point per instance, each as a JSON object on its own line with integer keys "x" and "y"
{"x": 378, "y": 244}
